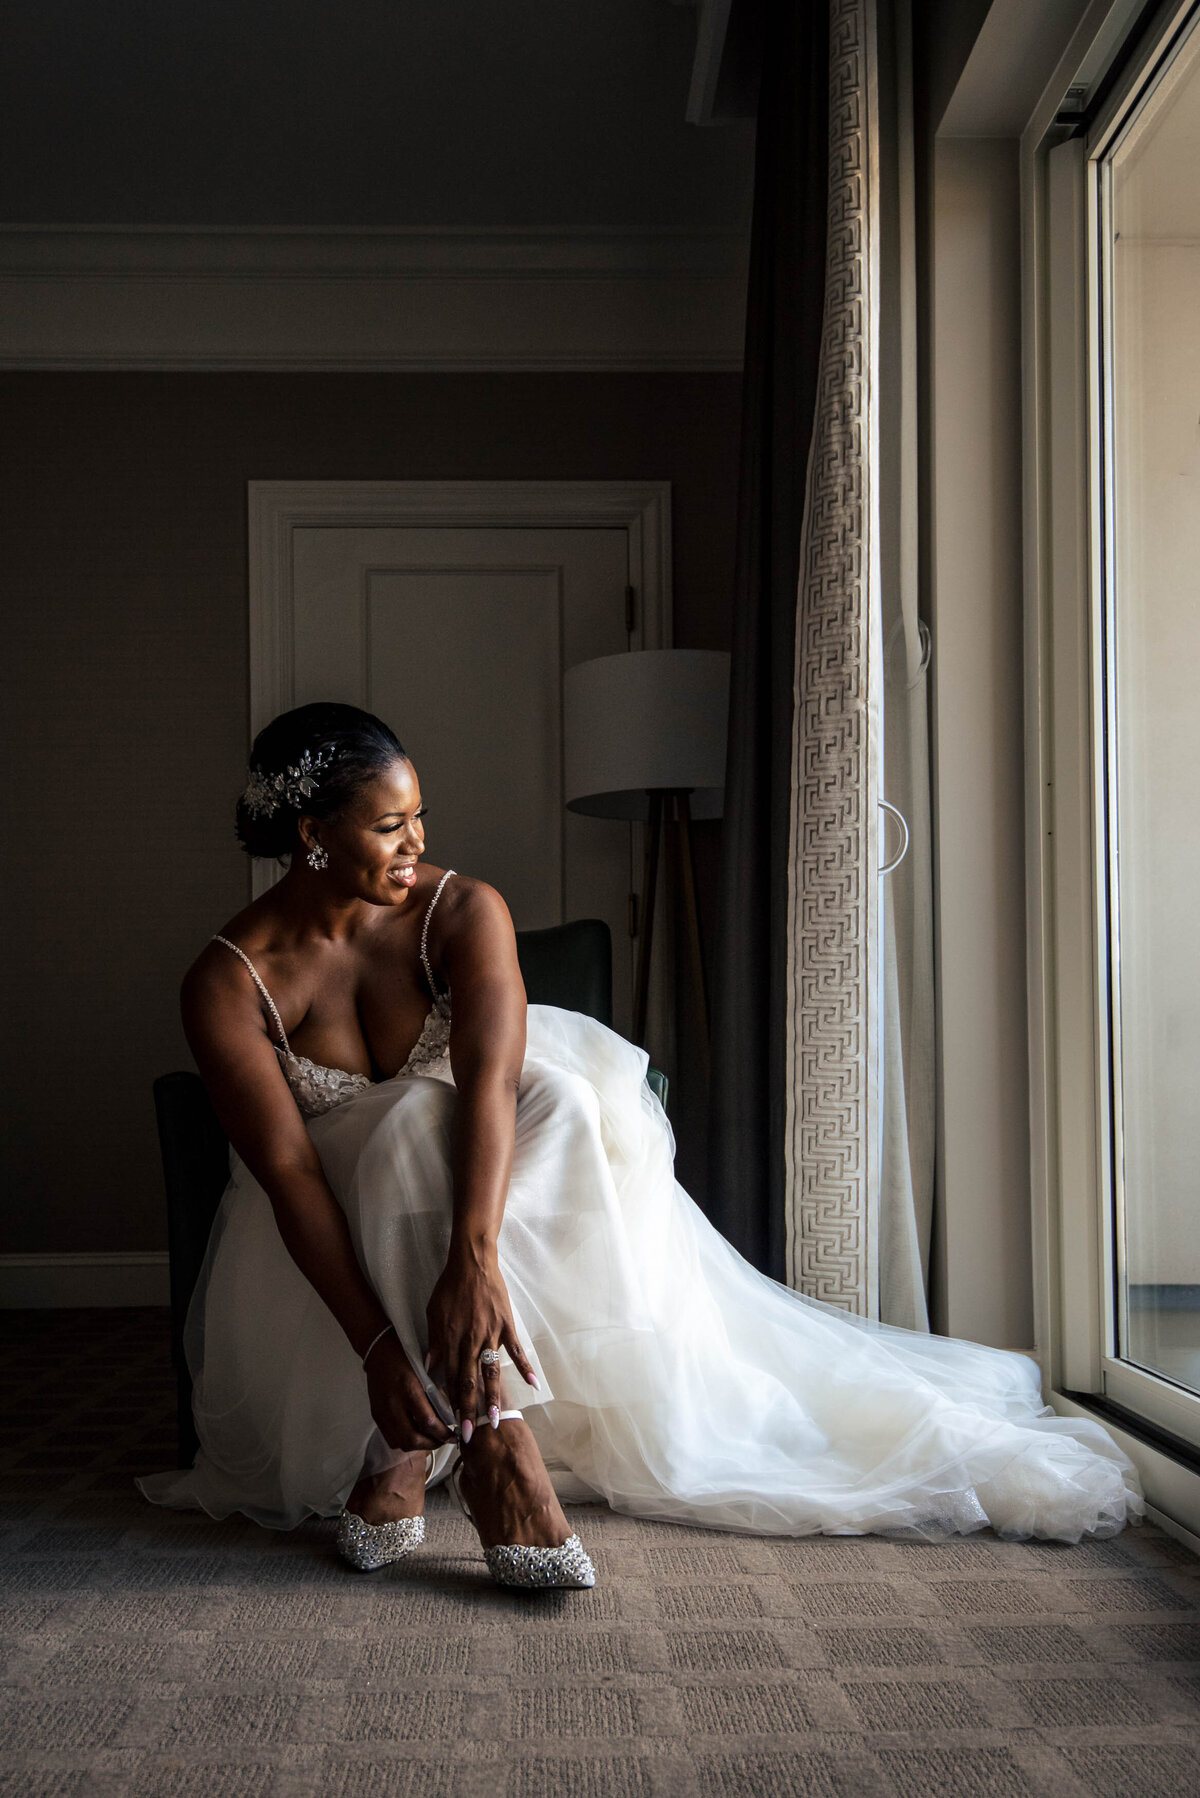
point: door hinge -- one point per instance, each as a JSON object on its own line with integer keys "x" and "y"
{"x": 630, "y": 610}
{"x": 633, "y": 914}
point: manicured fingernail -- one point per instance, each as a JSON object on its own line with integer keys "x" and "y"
{"x": 468, "y": 1429}
{"x": 494, "y": 1416}
{"x": 535, "y": 1382}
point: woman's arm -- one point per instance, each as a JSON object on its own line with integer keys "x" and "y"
{"x": 227, "y": 1035}
{"x": 469, "y": 1309}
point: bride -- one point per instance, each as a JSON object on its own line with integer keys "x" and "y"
{"x": 455, "y": 1235}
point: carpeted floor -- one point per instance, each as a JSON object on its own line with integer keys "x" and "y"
{"x": 148, "y": 1653}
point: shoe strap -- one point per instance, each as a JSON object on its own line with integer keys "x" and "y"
{"x": 456, "y": 1488}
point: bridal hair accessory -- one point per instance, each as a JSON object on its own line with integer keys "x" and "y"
{"x": 376, "y": 1339}
{"x": 318, "y": 858}
{"x": 490, "y": 1357}
{"x": 265, "y": 793}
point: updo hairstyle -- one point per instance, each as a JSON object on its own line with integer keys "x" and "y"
{"x": 356, "y": 746}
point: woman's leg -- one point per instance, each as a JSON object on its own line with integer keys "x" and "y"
{"x": 397, "y": 1491}
{"x": 504, "y": 1480}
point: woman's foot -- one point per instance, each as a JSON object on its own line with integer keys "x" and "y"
{"x": 526, "y": 1541}
{"x": 384, "y": 1517}
{"x": 396, "y": 1493}
{"x": 505, "y": 1483}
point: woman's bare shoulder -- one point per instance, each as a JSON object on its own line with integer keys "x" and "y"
{"x": 216, "y": 968}
{"x": 214, "y": 975}
{"x": 471, "y": 919}
{"x": 470, "y": 903}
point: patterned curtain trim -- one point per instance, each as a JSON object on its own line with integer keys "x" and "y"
{"x": 832, "y": 1129}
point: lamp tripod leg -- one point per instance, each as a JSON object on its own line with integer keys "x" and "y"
{"x": 649, "y": 886}
{"x": 687, "y": 862}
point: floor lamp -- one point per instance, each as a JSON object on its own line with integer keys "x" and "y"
{"x": 644, "y": 739}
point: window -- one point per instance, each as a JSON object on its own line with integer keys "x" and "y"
{"x": 1112, "y": 251}
{"x": 1145, "y": 264}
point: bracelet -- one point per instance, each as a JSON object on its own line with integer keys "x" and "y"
{"x": 376, "y": 1339}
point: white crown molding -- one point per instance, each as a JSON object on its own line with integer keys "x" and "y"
{"x": 40, "y": 1282}
{"x": 129, "y": 298}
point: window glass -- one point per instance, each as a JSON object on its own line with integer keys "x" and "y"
{"x": 1150, "y": 188}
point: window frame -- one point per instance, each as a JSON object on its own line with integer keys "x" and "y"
{"x": 1074, "y": 1021}
{"x": 1137, "y": 1389}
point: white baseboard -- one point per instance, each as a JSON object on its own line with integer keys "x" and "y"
{"x": 1171, "y": 1528}
{"x": 37, "y": 1282}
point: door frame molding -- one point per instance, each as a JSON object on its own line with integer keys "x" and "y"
{"x": 277, "y": 509}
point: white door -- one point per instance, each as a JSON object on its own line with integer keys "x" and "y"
{"x": 458, "y": 638}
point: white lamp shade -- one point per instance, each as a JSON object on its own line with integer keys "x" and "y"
{"x": 651, "y": 718}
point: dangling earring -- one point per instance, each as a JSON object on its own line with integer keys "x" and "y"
{"x": 318, "y": 858}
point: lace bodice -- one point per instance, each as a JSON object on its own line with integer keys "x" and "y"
{"x": 318, "y": 1089}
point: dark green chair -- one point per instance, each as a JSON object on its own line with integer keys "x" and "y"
{"x": 569, "y": 966}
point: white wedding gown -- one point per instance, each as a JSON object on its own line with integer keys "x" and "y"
{"x": 676, "y": 1381}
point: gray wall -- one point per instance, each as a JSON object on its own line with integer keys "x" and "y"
{"x": 983, "y": 1265}
{"x": 123, "y": 559}
{"x": 969, "y": 261}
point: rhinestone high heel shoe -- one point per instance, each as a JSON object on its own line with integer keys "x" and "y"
{"x": 368, "y": 1546}
{"x": 532, "y": 1569}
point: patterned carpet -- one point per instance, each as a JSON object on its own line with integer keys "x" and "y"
{"x": 152, "y": 1653}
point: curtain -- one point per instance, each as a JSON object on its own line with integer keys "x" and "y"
{"x": 833, "y": 1037}
{"x": 860, "y": 1095}
{"x": 748, "y": 1102}
{"x": 821, "y": 1116}
{"x": 907, "y": 1097}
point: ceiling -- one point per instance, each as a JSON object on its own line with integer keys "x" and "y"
{"x": 362, "y": 113}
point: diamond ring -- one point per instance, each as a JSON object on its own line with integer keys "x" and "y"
{"x": 490, "y": 1357}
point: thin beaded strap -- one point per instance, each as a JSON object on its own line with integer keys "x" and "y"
{"x": 242, "y": 956}
{"x": 425, "y": 933}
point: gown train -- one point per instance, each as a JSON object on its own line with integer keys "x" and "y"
{"x": 677, "y": 1382}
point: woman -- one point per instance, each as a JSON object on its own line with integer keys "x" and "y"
{"x": 458, "y": 1233}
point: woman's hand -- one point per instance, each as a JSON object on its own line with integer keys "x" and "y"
{"x": 398, "y": 1400}
{"x": 468, "y": 1312}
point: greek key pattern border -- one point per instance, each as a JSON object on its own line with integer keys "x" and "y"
{"x": 831, "y": 1236}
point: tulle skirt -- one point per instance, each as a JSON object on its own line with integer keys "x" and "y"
{"x": 677, "y": 1382}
